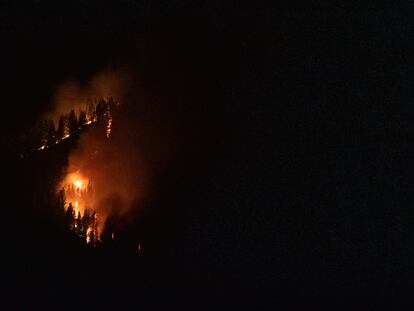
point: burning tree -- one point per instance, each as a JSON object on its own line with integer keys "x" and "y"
{"x": 79, "y": 217}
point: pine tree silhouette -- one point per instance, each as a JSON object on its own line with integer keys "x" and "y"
{"x": 69, "y": 216}
{"x": 51, "y": 136}
{"x": 82, "y": 120}
{"x": 73, "y": 124}
{"x": 61, "y": 128}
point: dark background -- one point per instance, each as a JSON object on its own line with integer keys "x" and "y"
{"x": 313, "y": 200}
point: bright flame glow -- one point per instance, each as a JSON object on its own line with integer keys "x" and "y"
{"x": 76, "y": 188}
{"x": 79, "y": 185}
{"x": 80, "y": 195}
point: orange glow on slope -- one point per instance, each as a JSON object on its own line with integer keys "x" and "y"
{"x": 78, "y": 192}
{"x": 79, "y": 195}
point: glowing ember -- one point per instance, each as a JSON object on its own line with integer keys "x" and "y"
{"x": 41, "y": 147}
{"x": 109, "y": 128}
{"x": 89, "y": 233}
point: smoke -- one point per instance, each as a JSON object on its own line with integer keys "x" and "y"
{"x": 115, "y": 169}
{"x": 169, "y": 126}
{"x": 150, "y": 129}
{"x": 74, "y": 95}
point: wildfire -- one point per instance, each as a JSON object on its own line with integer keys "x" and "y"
{"x": 92, "y": 111}
{"x": 89, "y": 117}
{"x": 67, "y": 135}
{"x": 76, "y": 180}
{"x": 80, "y": 196}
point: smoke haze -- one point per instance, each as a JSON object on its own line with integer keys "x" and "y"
{"x": 163, "y": 124}
{"x": 74, "y": 95}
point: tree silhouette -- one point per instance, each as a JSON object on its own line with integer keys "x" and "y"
{"x": 82, "y": 120}
{"x": 61, "y": 128}
{"x": 69, "y": 216}
{"x": 94, "y": 237}
{"x": 51, "y": 135}
{"x": 41, "y": 133}
{"x": 86, "y": 222}
{"x": 101, "y": 108}
{"x": 111, "y": 104}
{"x": 61, "y": 200}
{"x": 91, "y": 112}
{"x": 78, "y": 224}
{"x": 73, "y": 123}
{"x": 60, "y": 206}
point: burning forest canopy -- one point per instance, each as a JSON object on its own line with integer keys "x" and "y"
{"x": 120, "y": 157}
{"x": 123, "y": 139}
{"x": 105, "y": 173}
{"x": 144, "y": 151}
{"x": 101, "y": 176}
{"x": 80, "y": 192}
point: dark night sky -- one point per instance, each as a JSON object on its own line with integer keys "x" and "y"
{"x": 317, "y": 196}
